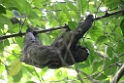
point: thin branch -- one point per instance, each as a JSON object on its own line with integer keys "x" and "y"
{"x": 118, "y": 75}
{"x": 88, "y": 77}
{"x": 60, "y": 27}
{"x": 38, "y": 31}
{"x": 111, "y": 14}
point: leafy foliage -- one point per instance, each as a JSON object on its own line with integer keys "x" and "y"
{"x": 105, "y": 40}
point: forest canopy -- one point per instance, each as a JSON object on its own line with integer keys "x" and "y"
{"x": 105, "y": 39}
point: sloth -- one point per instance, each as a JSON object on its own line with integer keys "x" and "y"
{"x": 63, "y": 52}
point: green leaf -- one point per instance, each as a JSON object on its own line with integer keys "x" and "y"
{"x": 44, "y": 70}
{"x": 42, "y": 1}
{"x": 12, "y": 8}
{"x": 110, "y": 70}
{"x": 17, "y": 14}
{"x": 109, "y": 51}
{"x": 101, "y": 39}
{"x": 82, "y": 5}
{"x": 25, "y": 6}
{"x": 2, "y": 68}
{"x": 65, "y": 10}
{"x": 29, "y": 69}
{"x": 6, "y": 42}
{"x": 72, "y": 25}
{"x": 46, "y": 39}
{"x": 30, "y": 82}
{"x": 112, "y": 4}
{"x": 80, "y": 65}
{"x": 120, "y": 47}
{"x": 19, "y": 41}
{"x": 102, "y": 76}
{"x": 34, "y": 18}
{"x": 3, "y": 44}
{"x": 2, "y": 9}
{"x": 96, "y": 66}
{"x": 72, "y": 7}
{"x": 37, "y": 3}
{"x": 17, "y": 77}
{"x": 15, "y": 67}
{"x": 9, "y": 3}
{"x": 95, "y": 32}
{"x": 33, "y": 15}
{"x": 5, "y": 20}
{"x": 122, "y": 26}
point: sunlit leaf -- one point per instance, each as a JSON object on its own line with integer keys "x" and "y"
{"x": 30, "y": 69}
{"x": 2, "y": 68}
{"x": 44, "y": 70}
{"x": 15, "y": 67}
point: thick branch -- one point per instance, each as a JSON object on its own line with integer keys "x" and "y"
{"x": 118, "y": 75}
{"x": 51, "y": 29}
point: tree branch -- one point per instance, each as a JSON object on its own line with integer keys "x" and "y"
{"x": 118, "y": 75}
{"x": 52, "y": 29}
{"x": 37, "y": 31}
{"x": 111, "y": 14}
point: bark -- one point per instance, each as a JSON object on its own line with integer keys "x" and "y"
{"x": 63, "y": 51}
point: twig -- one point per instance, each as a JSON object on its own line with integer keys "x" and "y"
{"x": 118, "y": 75}
{"x": 88, "y": 77}
{"x": 61, "y": 27}
{"x": 37, "y": 74}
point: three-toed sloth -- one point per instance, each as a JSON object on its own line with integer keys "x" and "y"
{"x": 63, "y": 51}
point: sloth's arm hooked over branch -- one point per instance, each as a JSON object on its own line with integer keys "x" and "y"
{"x": 53, "y": 56}
{"x": 75, "y": 35}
